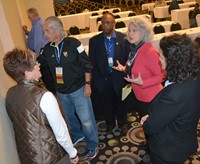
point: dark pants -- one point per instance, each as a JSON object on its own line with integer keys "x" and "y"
{"x": 142, "y": 108}
{"x": 156, "y": 160}
{"x": 130, "y": 103}
{"x": 113, "y": 105}
{"x": 97, "y": 103}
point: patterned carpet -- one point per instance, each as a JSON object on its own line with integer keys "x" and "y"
{"x": 118, "y": 148}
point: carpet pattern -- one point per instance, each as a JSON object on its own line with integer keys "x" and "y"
{"x": 118, "y": 148}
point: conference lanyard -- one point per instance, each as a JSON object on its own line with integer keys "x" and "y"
{"x": 108, "y": 48}
{"x": 58, "y": 53}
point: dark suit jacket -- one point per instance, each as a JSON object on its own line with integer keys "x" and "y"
{"x": 99, "y": 59}
{"x": 172, "y": 124}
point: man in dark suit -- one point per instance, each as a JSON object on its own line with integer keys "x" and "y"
{"x": 104, "y": 50}
{"x": 174, "y": 113}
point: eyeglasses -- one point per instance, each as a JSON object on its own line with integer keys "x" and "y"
{"x": 36, "y": 63}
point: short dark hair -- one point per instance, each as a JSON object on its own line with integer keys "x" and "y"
{"x": 182, "y": 57}
{"x": 107, "y": 13}
{"x": 17, "y": 61}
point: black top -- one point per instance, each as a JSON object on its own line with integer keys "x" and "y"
{"x": 99, "y": 59}
{"x": 172, "y": 124}
{"x": 73, "y": 60}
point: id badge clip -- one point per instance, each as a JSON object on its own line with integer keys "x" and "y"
{"x": 110, "y": 61}
{"x": 59, "y": 75}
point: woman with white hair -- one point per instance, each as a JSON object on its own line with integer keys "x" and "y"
{"x": 143, "y": 68}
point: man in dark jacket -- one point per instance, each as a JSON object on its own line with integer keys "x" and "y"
{"x": 105, "y": 49}
{"x": 71, "y": 69}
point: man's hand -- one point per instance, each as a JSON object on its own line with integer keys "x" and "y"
{"x": 119, "y": 67}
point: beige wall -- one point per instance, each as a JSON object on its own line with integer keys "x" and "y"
{"x": 13, "y": 16}
{"x": 44, "y": 7}
{"x": 14, "y": 23}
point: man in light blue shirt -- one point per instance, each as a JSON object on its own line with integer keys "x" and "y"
{"x": 36, "y": 38}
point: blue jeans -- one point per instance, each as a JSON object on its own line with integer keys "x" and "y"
{"x": 83, "y": 124}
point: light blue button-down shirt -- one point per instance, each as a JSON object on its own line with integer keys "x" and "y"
{"x": 36, "y": 39}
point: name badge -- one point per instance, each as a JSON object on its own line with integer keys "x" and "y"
{"x": 110, "y": 61}
{"x": 59, "y": 75}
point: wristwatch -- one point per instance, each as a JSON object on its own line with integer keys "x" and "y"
{"x": 88, "y": 82}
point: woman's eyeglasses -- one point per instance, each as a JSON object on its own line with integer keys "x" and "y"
{"x": 36, "y": 63}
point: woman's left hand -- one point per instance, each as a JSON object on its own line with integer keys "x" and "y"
{"x": 137, "y": 80}
{"x": 143, "y": 119}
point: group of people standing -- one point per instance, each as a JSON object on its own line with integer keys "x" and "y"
{"x": 114, "y": 60}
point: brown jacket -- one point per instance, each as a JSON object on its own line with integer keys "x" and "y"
{"x": 36, "y": 143}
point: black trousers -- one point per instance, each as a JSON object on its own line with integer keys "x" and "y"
{"x": 97, "y": 103}
{"x": 156, "y": 160}
{"x": 113, "y": 106}
{"x": 142, "y": 108}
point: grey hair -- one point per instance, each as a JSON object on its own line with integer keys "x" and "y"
{"x": 144, "y": 26}
{"x": 33, "y": 11}
{"x": 55, "y": 24}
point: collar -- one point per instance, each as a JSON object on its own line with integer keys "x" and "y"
{"x": 167, "y": 82}
{"x": 29, "y": 82}
{"x": 112, "y": 36}
{"x": 54, "y": 45}
{"x": 35, "y": 20}
{"x": 136, "y": 46}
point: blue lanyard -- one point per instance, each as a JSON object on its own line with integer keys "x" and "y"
{"x": 108, "y": 49}
{"x": 58, "y": 55}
